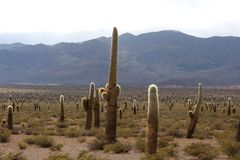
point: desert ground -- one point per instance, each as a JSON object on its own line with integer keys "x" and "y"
{"x": 38, "y": 134}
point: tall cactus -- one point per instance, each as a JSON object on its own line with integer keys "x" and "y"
{"x": 61, "y": 100}
{"x": 111, "y": 92}
{"x": 96, "y": 110}
{"x": 88, "y": 104}
{"x": 152, "y": 118}
{"x": 194, "y": 113}
{"x": 10, "y": 117}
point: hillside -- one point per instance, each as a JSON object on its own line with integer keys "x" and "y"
{"x": 164, "y": 58}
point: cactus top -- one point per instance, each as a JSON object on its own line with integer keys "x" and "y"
{"x": 200, "y": 91}
{"x": 152, "y": 89}
{"x": 134, "y": 102}
{"x": 61, "y": 99}
{"x": 91, "y": 93}
{"x": 112, "y": 79}
{"x": 153, "y": 94}
{"x": 9, "y": 108}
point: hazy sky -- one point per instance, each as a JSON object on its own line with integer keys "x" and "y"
{"x": 92, "y": 18}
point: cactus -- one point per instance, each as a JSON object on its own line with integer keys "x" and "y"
{"x": 125, "y": 105}
{"x": 152, "y": 118}
{"x": 233, "y": 110}
{"x": 120, "y": 113}
{"x": 96, "y": 110}
{"x": 61, "y": 100}
{"x": 3, "y": 123}
{"x": 215, "y": 108}
{"x": 223, "y": 111}
{"x": 18, "y": 109}
{"x": 10, "y": 117}
{"x": 88, "y": 104}
{"x": 10, "y": 100}
{"x": 77, "y": 104}
{"x": 134, "y": 106}
{"x": 171, "y": 105}
{"x": 189, "y": 103}
{"x": 194, "y": 113}
{"x": 229, "y": 106}
{"x": 111, "y": 92}
{"x": 238, "y": 132}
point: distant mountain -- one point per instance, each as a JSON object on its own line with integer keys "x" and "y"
{"x": 164, "y": 58}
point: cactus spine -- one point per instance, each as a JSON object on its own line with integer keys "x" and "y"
{"x": 194, "y": 113}
{"x": 152, "y": 118}
{"x": 96, "y": 110}
{"x": 111, "y": 92}
{"x": 61, "y": 100}
{"x": 88, "y": 105}
{"x": 10, "y": 117}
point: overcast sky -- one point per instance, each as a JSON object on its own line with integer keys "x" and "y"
{"x": 77, "y": 20}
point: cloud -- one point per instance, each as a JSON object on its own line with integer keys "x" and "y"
{"x": 198, "y": 17}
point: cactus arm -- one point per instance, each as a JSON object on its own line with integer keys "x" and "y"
{"x": 194, "y": 114}
{"x": 85, "y": 103}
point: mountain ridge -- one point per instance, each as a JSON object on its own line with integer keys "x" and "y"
{"x": 164, "y": 57}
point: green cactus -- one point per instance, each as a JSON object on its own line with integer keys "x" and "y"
{"x": 152, "y": 119}
{"x": 10, "y": 117}
{"x": 111, "y": 92}
{"x": 194, "y": 113}
{"x": 96, "y": 110}
{"x": 88, "y": 104}
{"x": 61, "y": 100}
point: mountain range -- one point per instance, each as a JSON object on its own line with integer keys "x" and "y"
{"x": 164, "y": 58}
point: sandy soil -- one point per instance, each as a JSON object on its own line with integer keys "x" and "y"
{"x": 72, "y": 147}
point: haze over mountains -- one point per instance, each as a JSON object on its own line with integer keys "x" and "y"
{"x": 164, "y": 58}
